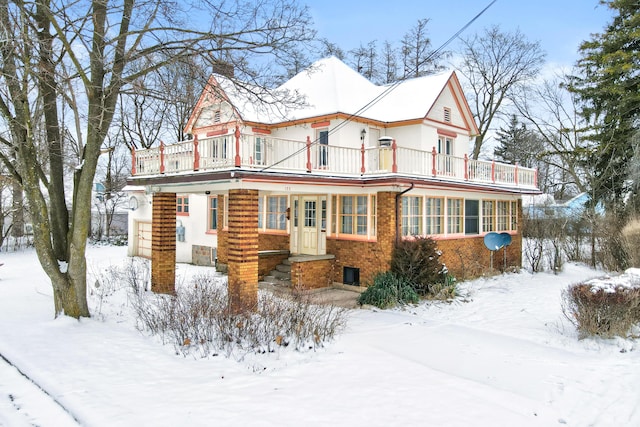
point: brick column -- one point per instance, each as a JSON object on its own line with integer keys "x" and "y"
{"x": 386, "y": 226}
{"x": 163, "y": 243}
{"x": 222, "y": 235}
{"x": 242, "y": 250}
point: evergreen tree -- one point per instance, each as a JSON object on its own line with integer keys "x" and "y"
{"x": 608, "y": 87}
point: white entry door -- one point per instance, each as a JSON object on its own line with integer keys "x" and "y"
{"x": 310, "y": 225}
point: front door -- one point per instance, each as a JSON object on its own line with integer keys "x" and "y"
{"x": 308, "y": 233}
{"x": 309, "y": 217}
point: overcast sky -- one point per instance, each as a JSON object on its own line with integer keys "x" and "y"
{"x": 559, "y": 25}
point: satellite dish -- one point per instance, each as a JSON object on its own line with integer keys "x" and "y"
{"x": 506, "y": 239}
{"x": 493, "y": 241}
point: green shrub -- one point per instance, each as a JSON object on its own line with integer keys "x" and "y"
{"x": 418, "y": 261}
{"x": 602, "y": 311}
{"x": 388, "y": 290}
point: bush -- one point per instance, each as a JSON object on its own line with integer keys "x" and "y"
{"x": 418, "y": 262}
{"x": 197, "y": 319}
{"x": 388, "y": 290}
{"x": 603, "y": 308}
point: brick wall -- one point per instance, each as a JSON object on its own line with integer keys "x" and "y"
{"x": 163, "y": 243}
{"x": 242, "y": 249}
{"x": 369, "y": 257}
{"x": 273, "y": 242}
{"x": 312, "y": 274}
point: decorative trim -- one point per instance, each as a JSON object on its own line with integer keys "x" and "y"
{"x": 223, "y": 131}
{"x": 261, "y": 131}
{"x": 324, "y": 124}
{"x": 447, "y": 133}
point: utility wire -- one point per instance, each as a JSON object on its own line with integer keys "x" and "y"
{"x": 387, "y": 91}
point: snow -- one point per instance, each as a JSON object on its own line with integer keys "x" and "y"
{"x": 330, "y": 86}
{"x": 502, "y": 354}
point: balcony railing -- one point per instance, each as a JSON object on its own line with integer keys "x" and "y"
{"x": 265, "y": 153}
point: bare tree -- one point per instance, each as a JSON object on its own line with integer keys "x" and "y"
{"x": 104, "y": 44}
{"x": 495, "y": 63}
{"x": 388, "y": 63}
{"x": 364, "y": 60}
{"x": 416, "y": 54}
{"x": 553, "y": 111}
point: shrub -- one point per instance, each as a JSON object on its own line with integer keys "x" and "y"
{"x": 631, "y": 239}
{"x": 603, "y": 307}
{"x": 197, "y": 319}
{"x": 388, "y": 290}
{"x": 418, "y": 261}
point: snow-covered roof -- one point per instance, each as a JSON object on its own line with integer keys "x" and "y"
{"x": 330, "y": 86}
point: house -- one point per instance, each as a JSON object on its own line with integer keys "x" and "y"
{"x": 325, "y": 183}
{"x": 544, "y": 206}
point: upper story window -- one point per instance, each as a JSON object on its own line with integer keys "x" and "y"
{"x": 182, "y": 205}
{"x": 323, "y": 148}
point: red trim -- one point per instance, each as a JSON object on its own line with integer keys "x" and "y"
{"x": 238, "y": 161}
{"x": 223, "y": 131}
{"x": 320, "y": 124}
{"x": 447, "y": 133}
{"x": 261, "y": 131}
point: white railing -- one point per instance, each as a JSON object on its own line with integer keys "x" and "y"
{"x": 265, "y": 152}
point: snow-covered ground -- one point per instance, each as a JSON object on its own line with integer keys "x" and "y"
{"x": 501, "y": 355}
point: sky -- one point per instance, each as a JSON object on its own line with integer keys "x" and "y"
{"x": 501, "y": 354}
{"x": 559, "y": 25}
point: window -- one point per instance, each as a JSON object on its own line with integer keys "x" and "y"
{"x": 447, "y": 115}
{"x": 182, "y": 205}
{"x": 434, "y": 215}
{"x": 503, "y": 221}
{"x": 514, "y": 216}
{"x": 411, "y": 216}
{"x": 374, "y": 209}
{"x": 334, "y": 214}
{"x": 445, "y": 145}
{"x": 213, "y": 213}
{"x": 471, "y": 217}
{"x": 216, "y": 116}
{"x": 454, "y": 216}
{"x": 488, "y": 216}
{"x": 323, "y": 148}
{"x": 352, "y": 214}
{"x": 259, "y": 151}
{"x": 276, "y": 212}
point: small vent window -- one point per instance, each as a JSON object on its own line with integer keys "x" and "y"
{"x": 447, "y": 115}
{"x": 216, "y": 116}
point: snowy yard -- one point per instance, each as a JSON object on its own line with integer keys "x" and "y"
{"x": 501, "y": 355}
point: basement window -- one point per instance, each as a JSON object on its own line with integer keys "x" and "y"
{"x": 351, "y": 276}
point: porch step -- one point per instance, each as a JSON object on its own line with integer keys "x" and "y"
{"x": 280, "y": 275}
{"x": 274, "y": 281}
{"x": 284, "y": 268}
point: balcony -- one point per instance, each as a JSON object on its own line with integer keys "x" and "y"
{"x": 256, "y": 152}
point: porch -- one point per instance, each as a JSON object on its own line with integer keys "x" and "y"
{"x": 260, "y": 153}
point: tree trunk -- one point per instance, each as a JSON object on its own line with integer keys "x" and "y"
{"x": 18, "y": 210}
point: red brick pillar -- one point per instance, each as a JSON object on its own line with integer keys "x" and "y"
{"x": 242, "y": 250}
{"x": 163, "y": 243}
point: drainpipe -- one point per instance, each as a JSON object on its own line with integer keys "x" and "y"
{"x": 399, "y": 212}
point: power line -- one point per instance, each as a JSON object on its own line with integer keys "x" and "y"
{"x": 388, "y": 90}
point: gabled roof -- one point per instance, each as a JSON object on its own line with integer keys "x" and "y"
{"x": 329, "y": 86}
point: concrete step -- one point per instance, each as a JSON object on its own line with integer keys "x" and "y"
{"x": 277, "y": 281}
{"x": 280, "y": 275}
{"x": 284, "y": 268}
{"x": 286, "y": 262}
